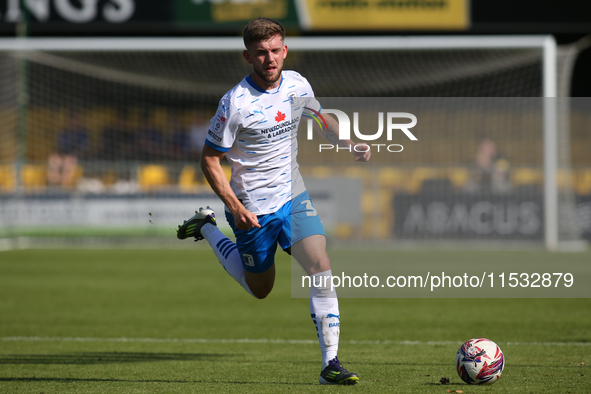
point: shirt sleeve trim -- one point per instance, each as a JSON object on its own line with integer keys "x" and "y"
{"x": 216, "y": 147}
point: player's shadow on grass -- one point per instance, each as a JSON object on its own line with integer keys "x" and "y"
{"x": 105, "y": 358}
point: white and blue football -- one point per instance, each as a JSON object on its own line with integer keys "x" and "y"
{"x": 480, "y": 361}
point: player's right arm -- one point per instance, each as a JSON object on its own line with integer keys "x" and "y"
{"x": 216, "y": 177}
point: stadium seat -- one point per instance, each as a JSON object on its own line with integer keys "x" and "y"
{"x": 583, "y": 182}
{"x": 367, "y": 202}
{"x": 458, "y": 176}
{"x": 385, "y": 200}
{"x": 152, "y": 177}
{"x": 526, "y": 176}
{"x": 393, "y": 177}
{"x": 187, "y": 180}
{"x": 564, "y": 178}
{"x": 321, "y": 172}
{"x": 353, "y": 172}
{"x": 227, "y": 171}
{"x": 344, "y": 230}
{"x": 34, "y": 176}
{"x": 7, "y": 178}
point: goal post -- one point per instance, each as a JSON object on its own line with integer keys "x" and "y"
{"x": 550, "y": 145}
{"x": 175, "y": 83}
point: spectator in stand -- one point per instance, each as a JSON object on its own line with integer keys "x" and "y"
{"x": 118, "y": 140}
{"x": 490, "y": 172}
{"x": 179, "y": 139}
{"x": 72, "y": 145}
{"x": 150, "y": 142}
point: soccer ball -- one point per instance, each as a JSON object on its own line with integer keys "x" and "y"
{"x": 480, "y": 361}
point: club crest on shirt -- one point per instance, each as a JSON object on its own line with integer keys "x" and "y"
{"x": 292, "y": 97}
{"x": 248, "y": 260}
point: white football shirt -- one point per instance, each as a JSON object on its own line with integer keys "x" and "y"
{"x": 258, "y": 130}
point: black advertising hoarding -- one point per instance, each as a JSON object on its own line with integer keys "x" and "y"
{"x": 145, "y": 17}
{"x": 87, "y": 16}
{"x": 531, "y": 16}
{"x": 478, "y": 216}
{"x": 219, "y": 16}
{"x": 161, "y": 17}
{"x": 231, "y": 15}
{"x": 468, "y": 216}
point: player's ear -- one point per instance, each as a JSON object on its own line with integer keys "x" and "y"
{"x": 284, "y": 51}
{"x": 247, "y": 56}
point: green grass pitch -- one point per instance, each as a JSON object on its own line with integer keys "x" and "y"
{"x": 172, "y": 321}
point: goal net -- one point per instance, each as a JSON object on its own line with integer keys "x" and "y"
{"x": 101, "y": 138}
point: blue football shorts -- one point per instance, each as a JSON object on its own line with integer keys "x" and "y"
{"x": 294, "y": 221}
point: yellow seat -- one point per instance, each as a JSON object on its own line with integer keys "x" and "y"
{"x": 321, "y": 172}
{"x": 458, "y": 176}
{"x": 34, "y": 176}
{"x": 7, "y": 178}
{"x": 582, "y": 183}
{"x": 356, "y": 172}
{"x": 152, "y": 177}
{"x": 392, "y": 177}
{"x": 187, "y": 179}
{"x": 367, "y": 202}
{"x": 526, "y": 176}
{"x": 228, "y": 171}
{"x": 565, "y": 178}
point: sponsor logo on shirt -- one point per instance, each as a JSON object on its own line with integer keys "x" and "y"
{"x": 256, "y": 114}
{"x": 280, "y": 116}
{"x": 281, "y": 128}
{"x": 214, "y": 136}
{"x": 220, "y": 121}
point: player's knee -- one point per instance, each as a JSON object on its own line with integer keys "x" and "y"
{"x": 261, "y": 284}
{"x": 320, "y": 265}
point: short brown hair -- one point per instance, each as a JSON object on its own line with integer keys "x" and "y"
{"x": 261, "y": 29}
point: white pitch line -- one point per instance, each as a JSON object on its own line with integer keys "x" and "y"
{"x": 271, "y": 341}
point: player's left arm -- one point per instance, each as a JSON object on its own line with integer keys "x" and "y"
{"x": 360, "y": 150}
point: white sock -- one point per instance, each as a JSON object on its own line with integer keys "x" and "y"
{"x": 324, "y": 309}
{"x": 227, "y": 254}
